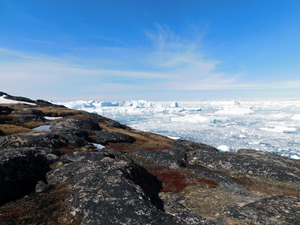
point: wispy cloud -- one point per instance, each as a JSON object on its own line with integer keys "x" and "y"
{"x": 184, "y": 60}
{"x": 172, "y": 63}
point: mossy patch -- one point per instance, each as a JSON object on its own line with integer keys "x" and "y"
{"x": 33, "y": 124}
{"x": 266, "y": 187}
{"x": 176, "y": 181}
{"x": 9, "y": 129}
{"x": 208, "y": 202}
{"x": 47, "y": 207}
{"x": 144, "y": 140}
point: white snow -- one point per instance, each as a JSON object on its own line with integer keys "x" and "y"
{"x": 296, "y": 117}
{"x": 223, "y": 148}
{"x": 295, "y": 157}
{"x": 98, "y": 146}
{"x": 9, "y": 101}
{"x": 52, "y": 117}
{"x": 265, "y": 125}
{"x": 175, "y": 138}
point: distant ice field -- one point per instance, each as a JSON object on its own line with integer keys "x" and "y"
{"x": 266, "y": 125}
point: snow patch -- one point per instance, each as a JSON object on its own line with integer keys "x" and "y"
{"x": 295, "y": 157}
{"x": 3, "y": 100}
{"x": 223, "y": 148}
{"x": 52, "y": 118}
{"x": 98, "y": 146}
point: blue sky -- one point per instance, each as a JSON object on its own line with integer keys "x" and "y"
{"x": 150, "y": 49}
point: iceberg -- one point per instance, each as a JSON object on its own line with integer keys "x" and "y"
{"x": 266, "y": 125}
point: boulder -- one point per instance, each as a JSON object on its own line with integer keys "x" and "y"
{"x": 104, "y": 137}
{"x": 29, "y": 112}
{"x": 4, "y": 110}
{"x": 33, "y": 140}
{"x": 21, "y": 169}
{"x": 40, "y": 102}
{"x": 54, "y": 139}
{"x": 269, "y": 166}
{"x": 272, "y": 210}
{"x": 173, "y": 157}
{"x": 106, "y": 190}
{"x": 86, "y": 124}
{"x": 190, "y": 145}
{"x": 225, "y": 183}
{"x": 28, "y": 118}
{"x": 172, "y": 206}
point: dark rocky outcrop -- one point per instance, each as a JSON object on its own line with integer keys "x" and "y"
{"x": 224, "y": 182}
{"x": 170, "y": 157}
{"x": 21, "y": 169}
{"x": 33, "y": 140}
{"x": 105, "y": 137}
{"x": 273, "y": 210}
{"x": 252, "y": 163}
{"x": 4, "y": 110}
{"x": 86, "y": 124}
{"x": 106, "y": 190}
{"x": 38, "y": 102}
{"x": 29, "y": 111}
{"x": 58, "y": 172}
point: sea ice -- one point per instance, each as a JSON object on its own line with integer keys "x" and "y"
{"x": 266, "y": 125}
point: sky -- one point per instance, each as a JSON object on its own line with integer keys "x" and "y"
{"x": 115, "y": 50}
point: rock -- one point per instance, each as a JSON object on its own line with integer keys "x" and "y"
{"x": 46, "y": 207}
{"x": 18, "y": 98}
{"x": 182, "y": 182}
{"x": 173, "y": 207}
{"x": 224, "y": 182}
{"x": 116, "y": 124}
{"x": 40, "y": 186}
{"x": 179, "y": 154}
{"x": 273, "y": 210}
{"x": 110, "y": 191}
{"x": 77, "y": 123}
{"x": 28, "y": 118}
{"x": 190, "y": 145}
{"x": 29, "y": 111}
{"x": 165, "y": 158}
{"x": 33, "y": 140}
{"x": 54, "y": 139}
{"x": 40, "y": 102}
{"x": 270, "y": 166}
{"x": 4, "y": 110}
{"x": 21, "y": 169}
{"x": 105, "y": 137}
{"x": 75, "y": 138}
{"x": 6, "y": 120}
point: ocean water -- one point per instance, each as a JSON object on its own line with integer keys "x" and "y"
{"x": 229, "y": 125}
